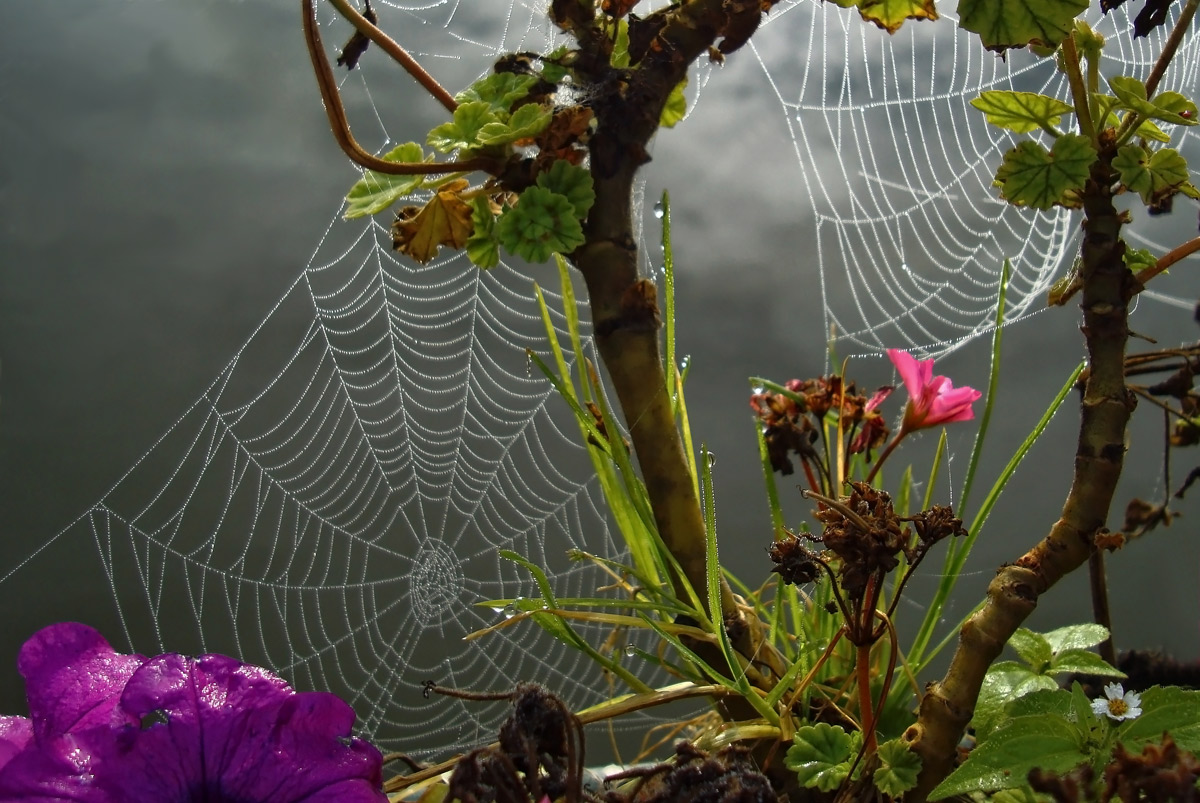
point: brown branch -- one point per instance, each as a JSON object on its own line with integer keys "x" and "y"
{"x": 1168, "y": 259}
{"x": 397, "y": 52}
{"x": 1014, "y": 592}
{"x": 340, "y": 124}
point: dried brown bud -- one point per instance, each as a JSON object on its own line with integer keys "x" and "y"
{"x": 794, "y": 562}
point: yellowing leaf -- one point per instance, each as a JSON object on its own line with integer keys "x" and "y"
{"x": 1021, "y": 111}
{"x": 1004, "y": 24}
{"x": 445, "y": 220}
{"x": 1170, "y": 107}
{"x": 891, "y": 14}
{"x": 1031, "y": 176}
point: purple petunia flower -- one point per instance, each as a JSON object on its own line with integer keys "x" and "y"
{"x": 173, "y": 729}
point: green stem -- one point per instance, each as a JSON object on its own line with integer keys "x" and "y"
{"x": 1079, "y": 94}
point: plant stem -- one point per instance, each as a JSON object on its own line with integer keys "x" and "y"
{"x": 1168, "y": 259}
{"x": 1171, "y": 46}
{"x": 1012, "y": 595}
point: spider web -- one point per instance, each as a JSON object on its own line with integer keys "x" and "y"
{"x": 336, "y": 515}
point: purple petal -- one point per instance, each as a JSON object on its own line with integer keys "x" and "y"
{"x": 73, "y": 679}
{"x": 15, "y": 733}
{"x": 235, "y": 731}
{"x": 55, "y": 771}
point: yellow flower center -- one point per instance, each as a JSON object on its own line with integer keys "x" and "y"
{"x": 1118, "y": 707}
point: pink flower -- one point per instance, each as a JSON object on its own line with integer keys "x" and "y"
{"x": 932, "y": 400}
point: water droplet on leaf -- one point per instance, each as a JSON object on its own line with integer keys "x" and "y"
{"x": 631, "y": 650}
{"x": 712, "y": 459}
{"x": 658, "y": 210}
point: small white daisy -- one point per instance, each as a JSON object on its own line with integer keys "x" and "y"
{"x": 1117, "y": 704}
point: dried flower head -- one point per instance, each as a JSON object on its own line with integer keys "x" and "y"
{"x": 864, "y": 531}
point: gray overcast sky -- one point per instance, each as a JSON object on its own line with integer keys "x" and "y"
{"x": 167, "y": 171}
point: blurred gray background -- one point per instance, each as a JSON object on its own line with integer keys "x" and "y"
{"x": 166, "y": 170}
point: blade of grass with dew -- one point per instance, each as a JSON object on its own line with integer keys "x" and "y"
{"x": 993, "y": 383}
{"x": 917, "y": 656}
{"x": 649, "y": 551}
{"x": 712, "y": 567}
{"x": 628, "y": 516}
{"x": 557, "y": 626}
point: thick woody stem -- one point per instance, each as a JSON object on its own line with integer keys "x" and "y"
{"x": 624, "y": 306}
{"x": 1107, "y": 287}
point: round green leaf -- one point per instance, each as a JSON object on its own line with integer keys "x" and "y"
{"x": 463, "y": 131}
{"x": 1002, "y": 24}
{"x": 819, "y": 756}
{"x": 572, "y": 182}
{"x": 1151, "y": 175}
{"x": 542, "y": 223}
{"x": 1031, "y": 176}
{"x": 898, "y": 769}
{"x": 499, "y": 90}
{"x": 527, "y": 121}
{"x": 1073, "y": 637}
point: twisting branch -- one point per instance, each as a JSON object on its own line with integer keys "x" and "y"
{"x": 1168, "y": 259}
{"x": 394, "y": 49}
{"x": 1172, "y": 44}
{"x": 341, "y": 125}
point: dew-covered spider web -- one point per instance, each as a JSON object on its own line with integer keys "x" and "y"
{"x": 337, "y": 514}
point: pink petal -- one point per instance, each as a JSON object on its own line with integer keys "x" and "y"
{"x": 953, "y": 404}
{"x": 915, "y": 373}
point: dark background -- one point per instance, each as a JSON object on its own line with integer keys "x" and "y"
{"x": 167, "y": 171}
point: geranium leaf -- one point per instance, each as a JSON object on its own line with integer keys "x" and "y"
{"x": 574, "y": 183}
{"x": 483, "y": 248}
{"x": 463, "y": 131}
{"x": 891, "y": 14}
{"x": 525, "y": 123}
{"x": 542, "y": 223}
{"x": 374, "y": 192}
{"x": 1170, "y": 107}
{"x": 1031, "y": 176}
{"x": 1106, "y": 118}
{"x": 1004, "y": 24}
{"x": 819, "y": 755}
{"x": 444, "y": 220}
{"x": 675, "y": 107}
{"x": 898, "y": 769}
{"x": 1138, "y": 258}
{"x": 1151, "y": 175}
{"x": 1021, "y": 111}
{"x": 499, "y": 90}
{"x": 1016, "y": 747}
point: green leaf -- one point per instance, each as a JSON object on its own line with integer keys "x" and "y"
{"x": 675, "y": 107}
{"x": 1073, "y": 637}
{"x": 1164, "y": 708}
{"x": 819, "y": 756}
{"x": 1083, "y": 662}
{"x": 375, "y": 192}
{"x": 1138, "y": 258}
{"x": 1018, "y": 746}
{"x": 552, "y": 69}
{"x": 463, "y": 131}
{"x": 573, "y": 183}
{"x": 1003, "y": 24}
{"x": 527, "y": 121}
{"x": 1033, "y": 648}
{"x": 620, "y": 51}
{"x": 542, "y": 223}
{"x": 1031, "y": 176}
{"x": 1107, "y": 118}
{"x": 1151, "y": 175}
{"x": 1042, "y": 702}
{"x": 483, "y": 247}
{"x": 499, "y": 90}
{"x": 1021, "y": 111}
{"x": 1170, "y": 107}
{"x": 1004, "y": 682}
{"x": 899, "y": 768}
